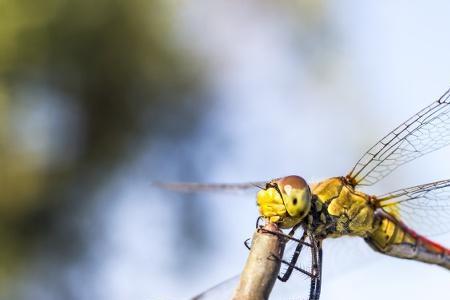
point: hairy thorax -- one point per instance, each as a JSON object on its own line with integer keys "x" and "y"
{"x": 340, "y": 210}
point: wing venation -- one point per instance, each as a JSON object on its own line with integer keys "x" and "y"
{"x": 424, "y": 132}
{"x": 425, "y": 208}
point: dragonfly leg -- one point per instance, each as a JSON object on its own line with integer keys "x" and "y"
{"x": 258, "y": 221}
{"x": 293, "y": 262}
{"x": 319, "y": 284}
{"x": 319, "y": 271}
{"x": 288, "y": 236}
{"x": 294, "y": 267}
{"x": 247, "y": 243}
{"x": 316, "y": 281}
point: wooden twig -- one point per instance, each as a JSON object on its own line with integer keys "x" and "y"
{"x": 261, "y": 269}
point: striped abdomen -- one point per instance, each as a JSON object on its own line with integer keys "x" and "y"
{"x": 395, "y": 239}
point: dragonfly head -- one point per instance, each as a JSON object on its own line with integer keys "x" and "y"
{"x": 285, "y": 201}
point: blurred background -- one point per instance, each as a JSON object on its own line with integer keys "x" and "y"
{"x": 97, "y": 99}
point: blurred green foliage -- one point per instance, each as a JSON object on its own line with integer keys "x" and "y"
{"x": 120, "y": 74}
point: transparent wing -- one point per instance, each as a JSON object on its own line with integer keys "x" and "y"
{"x": 426, "y": 131}
{"x": 304, "y": 260}
{"x": 345, "y": 254}
{"x": 297, "y": 287}
{"x": 425, "y": 208}
{"x": 223, "y": 290}
{"x": 191, "y": 187}
{"x": 298, "y": 284}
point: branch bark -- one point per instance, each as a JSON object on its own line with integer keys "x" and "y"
{"x": 261, "y": 269}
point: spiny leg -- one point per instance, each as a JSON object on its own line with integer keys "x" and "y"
{"x": 289, "y": 236}
{"x": 293, "y": 262}
{"x": 307, "y": 273}
{"x": 247, "y": 244}
{"x": 316, "y": 281}
{"x": 319, "y": 284}
{"x": 316, "y": 253}
{"x": 258, "y": 220}
{"x": 312, "y": 287}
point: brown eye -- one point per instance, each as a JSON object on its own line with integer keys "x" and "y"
{"x": 294, "y": 201}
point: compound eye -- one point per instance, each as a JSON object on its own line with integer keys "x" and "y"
{"x": 300, "y": 202}
{"x": 296, "y": 195}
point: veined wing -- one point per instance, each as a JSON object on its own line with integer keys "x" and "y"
{"x": 425, "y": 208}
{"x": 426, "y": 131}
{"x": 191, "y": 187}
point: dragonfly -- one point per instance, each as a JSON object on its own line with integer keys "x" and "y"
{"x": 397, "y": 223}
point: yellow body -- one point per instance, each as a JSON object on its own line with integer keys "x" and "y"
{"x": 389, "y": 233}
{"x": 334, "y": 208}
{"x": 348, "y": 212}
{"x": 272, "y": 206}
{"x": 352, "y": 210}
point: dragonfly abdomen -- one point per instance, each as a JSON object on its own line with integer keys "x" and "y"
{"x": 396, "y": 239}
